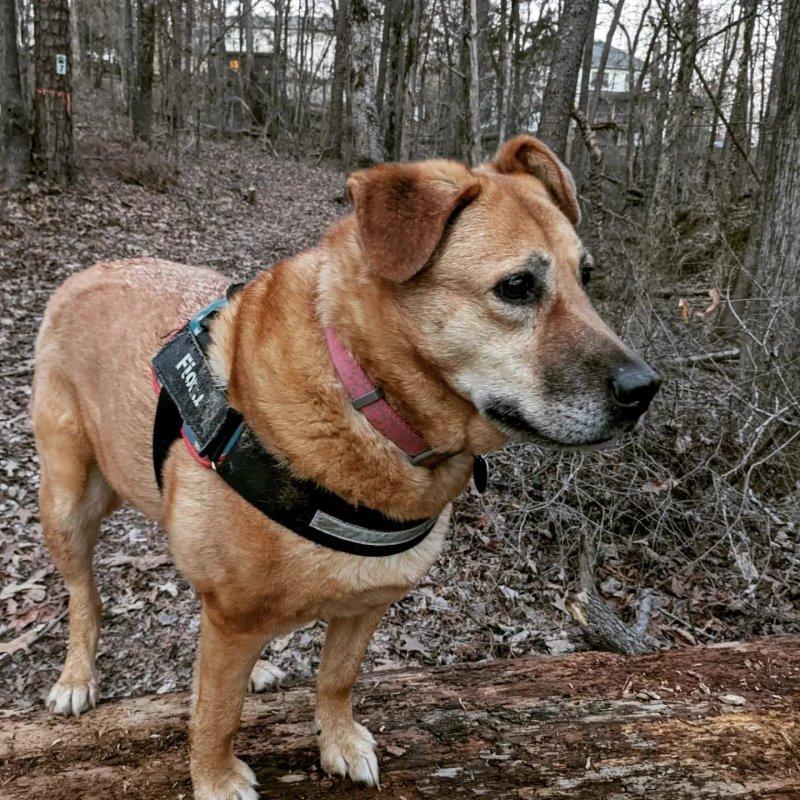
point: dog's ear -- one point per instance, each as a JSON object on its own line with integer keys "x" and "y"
{"x": 403, "y": 210}
{"x": 527, "y": 154}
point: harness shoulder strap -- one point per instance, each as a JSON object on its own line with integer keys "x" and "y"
{"x": 166, "y": 429}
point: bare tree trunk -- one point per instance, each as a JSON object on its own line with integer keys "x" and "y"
{"x": 127, "y": 53}
{"x": 764, "y": 149}
{"x": 515, "y": 90}
{"x": 728, "y": 52}
{"x": 635, "y": 88}
{"x": 175, "y": 86}
{"x": 508, "y": 26}
{"x": 250, "y": 93}
{"x": 75, "y": 39}
{"x": 52, "y": 101}
{"x": 472, "y": 129}
{"x": 24, "y": 26}
{"x": 341, "y": 61}
{"x": 277, "y": 88}
{"x": 593, "y": 189}
{"x": 383, "y": 61}
{"x": 221, "y": 58}
{"x": 579, "y": 154}
{"x": 659, "y": 101}
{"x": 486, "y": 59}
{"x": 15, "y": 145}
{"x": 772, "y": 318}
{"x": 366, "y": 131}
{"x": 142, "y": 108}
{"x": 559, "y": 93}
{"x": 729, "y": 319}
{"x": 392, "y": 118}
{"x": 664, "y": 191}
{"x": 409, "y": 82}
{"x": 451, "y": 106}
{"x": 736, "y": 175}
{"x": 601, "y": 66}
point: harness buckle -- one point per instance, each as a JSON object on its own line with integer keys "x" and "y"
{"x": 196, "y": 322}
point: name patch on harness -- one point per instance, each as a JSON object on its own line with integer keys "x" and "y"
{"x": 183, "y": 373}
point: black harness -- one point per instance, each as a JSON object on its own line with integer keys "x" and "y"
{"x": 192, "y": 406}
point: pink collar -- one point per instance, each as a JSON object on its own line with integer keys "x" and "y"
{"x": 369, "y": 400}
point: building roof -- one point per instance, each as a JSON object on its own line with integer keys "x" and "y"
{"x": 617, "y": 59}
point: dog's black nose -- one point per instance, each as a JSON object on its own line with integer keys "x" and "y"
{"x": 634, "y": 384}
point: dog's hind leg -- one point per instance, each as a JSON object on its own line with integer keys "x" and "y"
{"x": 265, "y": 675}
{"x": 346, "y": 747}
{"x": 73, "y": 499}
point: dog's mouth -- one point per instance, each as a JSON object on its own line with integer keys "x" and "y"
{"x": 514, "y": 423}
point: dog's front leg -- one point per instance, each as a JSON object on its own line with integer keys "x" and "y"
{"x": 227, "y": 654}
{"x": 346, "y": 747}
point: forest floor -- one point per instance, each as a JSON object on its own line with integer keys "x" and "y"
{"x": 502, "y": 586}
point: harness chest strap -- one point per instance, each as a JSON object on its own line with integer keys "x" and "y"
{"x": 192, "y": 406}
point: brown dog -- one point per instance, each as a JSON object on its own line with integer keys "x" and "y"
{"x": 460, "y": 293}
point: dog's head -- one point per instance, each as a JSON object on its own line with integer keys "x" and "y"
{"x": 488, "y": 270}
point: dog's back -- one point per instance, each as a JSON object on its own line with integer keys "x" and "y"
{"x": 91, "y": 382}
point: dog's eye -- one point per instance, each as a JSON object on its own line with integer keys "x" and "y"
{"x": 519, "y": 289}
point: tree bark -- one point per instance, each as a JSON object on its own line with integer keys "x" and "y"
{"x": 728, "y": 52}
{"x": 764, "y": 149}
{"x": 735, "y": 173}
{"x": 663, "y": 199}
{"x": 635, "y": 88}
{"x": 142, "y": 108}
{"x": 580, "y": 154}
{"x": 409, "y": 81}
{"x": 15, "y": 146}
{"x": 52, "y": 100}
{"x": 392, "y": 113}
{"x": 341, "y": 61}
{"x": 772, "y": 317}
{"x": 559, "y": 93}
{"x": 75, "y": 38}
{"x": 278, "y": 83}
{"x": 509, "y": 25}
{"x": 366, "y": 131}
{"x": 127, "y": 54}
{"x": 383, "y": 61}
{"x": 604, "y": 53}
{"x": 692, "y": 724}
{"x": 472, "y": 129}
{"x": 729, "y": 324}
{"x": 175, "y": 83}
{"x": 250, "y": 92}
{"x": 221, "y": 71}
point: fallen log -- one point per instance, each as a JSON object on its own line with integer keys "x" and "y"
{"x": 714, "y": 722}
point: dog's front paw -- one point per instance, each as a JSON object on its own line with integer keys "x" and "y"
{"x": 71, "y": 699}
{"x": 348, "y": 750}
{"x": 236, "y": 783}
{"x": 265, "y": 676}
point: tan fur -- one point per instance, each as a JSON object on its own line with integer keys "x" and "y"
{"x": 93, "y": 409}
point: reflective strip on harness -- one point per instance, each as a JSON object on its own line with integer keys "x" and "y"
{"x": 346, "y": 531}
